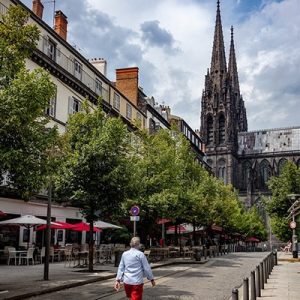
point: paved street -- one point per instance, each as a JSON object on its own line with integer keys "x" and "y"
{"x": 213, "y": 280}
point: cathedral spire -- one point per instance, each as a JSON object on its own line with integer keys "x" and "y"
{"x": 218, "y": 60}
{"x": 232, "y": 67}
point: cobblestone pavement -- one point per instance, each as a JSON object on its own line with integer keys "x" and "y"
{"x": 211, "y": 281}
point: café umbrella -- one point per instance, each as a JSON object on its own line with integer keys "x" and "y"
{"x": 84, "y": 227}
{"x": 56, "y": 225}
{"x": 27, "y": 221}
{"x": 103, "y": 225}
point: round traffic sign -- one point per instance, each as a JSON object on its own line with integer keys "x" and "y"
{"x": 135, "y": 210}
{"x": 293, "y": 224}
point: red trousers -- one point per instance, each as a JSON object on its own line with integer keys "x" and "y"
{"x": 134, "y": 292}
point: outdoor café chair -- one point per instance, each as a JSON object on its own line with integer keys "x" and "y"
{"x": 28, "y": 256}
{"x": 11, "y": 255}
{"x": 41, "y": 255}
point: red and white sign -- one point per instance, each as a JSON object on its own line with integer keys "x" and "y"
{"x": 293, "y": 224}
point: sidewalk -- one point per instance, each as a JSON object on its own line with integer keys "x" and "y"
{"x": 284, "y": 280}
{"x": 21, "y": 282}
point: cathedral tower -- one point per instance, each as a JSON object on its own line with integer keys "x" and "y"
{"x": 223, "y": 113}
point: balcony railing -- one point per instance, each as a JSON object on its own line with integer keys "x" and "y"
{"x": 68, "y": 64}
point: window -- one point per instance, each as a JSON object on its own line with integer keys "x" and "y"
{"x": 98, "y": 85}
{"x": 128, "y": 111}
{"x": 246, "y": 175}
{"x": 138, "y": 116}
{"x": 265, "y": 173}
{"x": 51, "y": 109}
{"x": 52, "y": 50}
{"x": 49, "y": 47}
{"x": 222, "y": 129}
{"x": 116, "y": 103}
{"x": 151, "y": 126}
{"x": 281, "y": 164}
{"x": 74, "y": 105}
{"x": 77, "y": 69}
{"x": 222, "y": 170}
{"x": 210, "y": 130}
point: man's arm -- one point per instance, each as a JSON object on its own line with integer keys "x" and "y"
{"x": 120, "y": 273}
{"x": 147, "y": 270}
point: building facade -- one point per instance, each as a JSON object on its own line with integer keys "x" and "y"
{"x": 244, "y": 159}
{"x": 76, "y": 79}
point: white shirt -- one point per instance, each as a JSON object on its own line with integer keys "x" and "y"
{"x": 133, "y": 267}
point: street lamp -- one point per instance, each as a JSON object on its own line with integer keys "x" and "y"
{"x": 294, "y": 211}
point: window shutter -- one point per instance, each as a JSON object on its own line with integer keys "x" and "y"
{"x": 70, "y": 105}
{"x": 58, "y": 56}
{"x": 79, "y": 106}
{"x": 45, "y": 44}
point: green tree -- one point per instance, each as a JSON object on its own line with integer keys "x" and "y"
{"x": 253, "y": 224}
{"x": 164, "y": 171}
{"x": 96, "y": 172}
{"x": 288, "y": 182}
{"x": 24, "y": 96}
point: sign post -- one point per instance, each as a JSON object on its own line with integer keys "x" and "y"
{"x": 134, "y": 211}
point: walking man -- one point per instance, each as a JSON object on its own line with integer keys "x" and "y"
{"x": 132, "y": 269}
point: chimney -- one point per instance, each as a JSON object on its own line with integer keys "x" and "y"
{"x": 61, "y": 24}
{"x": 100, "y": 64}
{"x": 38, "y": 8}
{"x": 127, "y": 82}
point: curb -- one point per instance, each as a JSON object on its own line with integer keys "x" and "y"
{"x": 292, "y": 260}
{"x": 93, "y": 280}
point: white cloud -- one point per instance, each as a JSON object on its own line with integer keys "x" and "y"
{"x": 267, "y": 42}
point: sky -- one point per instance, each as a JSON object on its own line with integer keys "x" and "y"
{"x": 171, "y": 43}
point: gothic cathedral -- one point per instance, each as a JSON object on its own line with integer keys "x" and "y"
{"x": 241, "y": 158}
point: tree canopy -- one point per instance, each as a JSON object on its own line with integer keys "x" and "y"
{"x": 24, "y": 97}
{"x": 288, "y": 182}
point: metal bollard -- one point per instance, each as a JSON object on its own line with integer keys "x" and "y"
{"x": 265, "y": 270}
{"x": 275, "y": 257}
{"x": 246, "y": 289}
{"x": 235, "y": 294}
{"x": 268, "y": 267}
{"x": 271, "y": 261}
{"x": 262, "y": 281}
{"x": 252, "y": 283}
{"x": 258, "y": 293}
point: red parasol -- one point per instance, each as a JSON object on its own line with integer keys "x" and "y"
{"x": 2, "y": 214}
{"x": 84, "y": 227}
{"x": 180, "y": 229}
{"x": 57, "y": 225}
{"x": 163, "y": 221}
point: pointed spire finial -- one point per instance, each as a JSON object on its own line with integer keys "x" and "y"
{"x": 218, "y": 5}
{"x": 231, "y": 32}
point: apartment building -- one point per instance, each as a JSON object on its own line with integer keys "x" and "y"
{"x": 76, "y": 79}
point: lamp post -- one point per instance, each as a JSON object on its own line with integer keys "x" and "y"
{"x": 294, "y": 211}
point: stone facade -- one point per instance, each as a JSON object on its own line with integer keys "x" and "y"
{"x": 244, "y": 159}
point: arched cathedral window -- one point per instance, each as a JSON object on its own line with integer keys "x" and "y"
{"x": 281, "y": 164}
{"x": 210, "y": 163}
{"x": 221, "y": 129}
{"x": 222, "y": 170}
{"x": 265, "y": 173}
{"x": 246, "y": 174}
{"x": 210, "y": 130}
